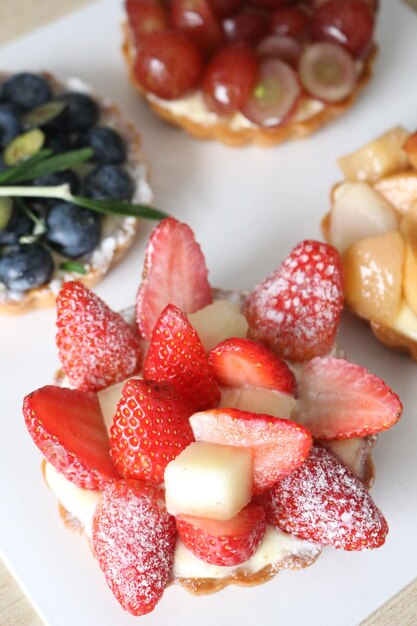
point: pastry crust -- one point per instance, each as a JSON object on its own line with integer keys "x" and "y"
{"x": 223, "y": 131}
{"x": 124, "y": 228}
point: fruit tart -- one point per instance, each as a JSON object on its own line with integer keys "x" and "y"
{"x": 207, "y": 437}
{"x": 65, "y": 155}
{"x": 373, "y": 224}
{"x": 250, "y": 71}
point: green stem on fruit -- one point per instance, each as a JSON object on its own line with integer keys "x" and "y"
{"x": 63, "y": 192}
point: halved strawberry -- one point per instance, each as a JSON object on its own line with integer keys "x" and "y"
{"x": 68, "y": 428}
{"x": 323, "y": 502}
{"x": 278, "y": 446}
{"x": 224, "y": 543}
{"x": 134, "y": 541}
{"x": 296, "y": 310}
{"x": 149, "y": 430}
{"x": 339, "y": 400}
{"x": 175, "y": 272}
{"x": 97, "y": 347}
{"x": 242, "y": 362}
{"x": 177, "y": 356}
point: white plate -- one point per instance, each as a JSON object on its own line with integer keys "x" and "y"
{"x": 248, "y": 207}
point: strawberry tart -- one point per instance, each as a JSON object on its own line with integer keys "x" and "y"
{"x": 250, "y": 71}
{"x": 373, "y": 224}
{"x": 205, "y": 437}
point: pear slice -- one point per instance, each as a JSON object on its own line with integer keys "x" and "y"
{"x": 410, "y": 147}
{"x": 409, "y": 231}
{"x": 380, "y": 157}
{"x": 400, "y": 190}
{"x": 373, "y": 276}
{"x": 359, "y": 212}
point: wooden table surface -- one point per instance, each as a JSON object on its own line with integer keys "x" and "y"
{"x": 16, "y": 19}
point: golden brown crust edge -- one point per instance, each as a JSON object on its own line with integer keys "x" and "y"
{"x": 257, "y": 136}
{"x": 43, "y": 297}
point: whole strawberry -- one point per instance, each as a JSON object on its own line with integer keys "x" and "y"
{"x": 323, "y": 502}
{"x": 97, "y": 347}
{"x": 296, "y": 310}
{"x": 177, "y": 356}
{"x": 149, "y": 430}
{"x": 134, "y": 541}
{"x": 175, "y": 272}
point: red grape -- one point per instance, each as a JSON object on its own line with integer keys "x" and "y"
{"x": 250, "y": 25}
{"x": 289, "y": 22}
{"x": 275, "y": 95}
{"x": 196, "y": 20}
{"x": 284, "y": 48}
{"x": 168, "y": 64}
{"x": 270, "y": 4}
{"x": 145, "y": 16}
{"x": 348, "y": 23}
{"x": 327, "y": 72}
{"x": 222, "y": 8}
{"x": 229, "y": 79}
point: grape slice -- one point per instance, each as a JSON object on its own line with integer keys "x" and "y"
{"x": 168, "y": 64}
{"x": 275, "y": 95}
{"x": 229, "y": 79}
{"x": 327, "y": 72}
{"x": 284, "y": 48}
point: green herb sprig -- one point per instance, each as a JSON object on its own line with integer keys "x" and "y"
{"x": 45, "y": 162}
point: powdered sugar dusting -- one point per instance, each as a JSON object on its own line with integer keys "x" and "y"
{"x": 296, "y": 310}
{"x": 323, "y": 502}
{"x": 134, "y": 540}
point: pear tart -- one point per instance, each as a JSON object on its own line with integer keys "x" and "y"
{"x": 45, "y": 240}
{"x": 220, "y": 438}
{"x": 373, "y": 224}
{"x": 258, "y": 71}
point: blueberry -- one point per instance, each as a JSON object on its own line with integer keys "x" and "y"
{"x": 27, "y": 90}
{"x": 81, "y": 113}
{"x": 58, "y": 142}
{"x": 27, "y": 267}
{"x": 107, "y": 145}
{"x": 9, "y": 123}
{"x": 59, "y": 178}
{"x": 109, "y": 182}
{"x": 72, "y": 230}
{"x": 19, "y": 224}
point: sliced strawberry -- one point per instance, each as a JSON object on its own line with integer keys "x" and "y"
{"x": 225, "y": 543}
{"x": 134, "y": 541}
{"x": 339, "y": 400}
{"x": 242, "y": 362}
{"x": 278, "y": 446}
{"x": 175, "y": 272}
{"x": 149, "y": 430}
{"x": 177, "y": 356}
{"x": 68, "y": 428}
{"x": 323, "y": 502}
{"x": 97, "y": 347}
{"x": 296, "y": 310}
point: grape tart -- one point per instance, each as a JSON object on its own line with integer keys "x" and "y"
{"x": 250, "y": 72}
{"x": 373, "y": 223}
{"x": 217, "y": 438}
{"x": 44, "y": 242}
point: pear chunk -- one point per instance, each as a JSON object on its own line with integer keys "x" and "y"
{"x": 218, "y": 321}
{"x": 380, "y": 157}
{"x": 410, "y": 147}
{"x": 400, "y": 190}
{"x": 108, "y": 400}
{"x": 373, "y": 277}
{"x": 256, "y": 400}
{"x": 409, "y": 231}
{"x": 359, "y": 212}
{"x": 209, "y": 480}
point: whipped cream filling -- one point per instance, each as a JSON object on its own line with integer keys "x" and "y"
{"x": 274, "y": 548}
